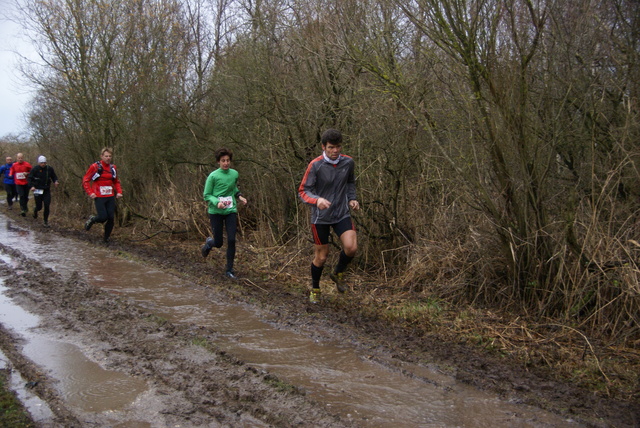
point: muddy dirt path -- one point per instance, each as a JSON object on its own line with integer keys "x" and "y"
{"x": 172, "y": 362}
{"x": 188, "y": 380}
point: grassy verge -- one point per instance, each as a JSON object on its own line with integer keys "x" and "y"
{"x": 12, "y": 414}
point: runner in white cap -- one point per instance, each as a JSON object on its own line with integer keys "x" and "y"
{"x": 39, "y": 180}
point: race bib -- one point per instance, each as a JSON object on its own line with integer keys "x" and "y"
{"x": 227, "y": 201}
{"x": 21, "y": 175}
{"x": 38, "y": 191}
{"x": 106, "y": 190}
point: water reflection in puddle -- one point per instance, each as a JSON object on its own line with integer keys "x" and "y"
{"x": 39, "y": 410}
{"x": 83, "y": 383}
{"x": 331, "y": 373}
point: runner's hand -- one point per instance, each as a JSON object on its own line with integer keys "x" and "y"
{"x": 323, "y": 204}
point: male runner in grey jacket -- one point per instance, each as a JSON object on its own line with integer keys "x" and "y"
{"x": 329, "y": 186}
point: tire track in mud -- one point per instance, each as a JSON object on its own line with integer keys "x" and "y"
{"x": 200, "y": 384}
{"x": 31, "y": 373}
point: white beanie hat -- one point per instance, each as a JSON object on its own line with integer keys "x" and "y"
{"x": 42, "y": 159}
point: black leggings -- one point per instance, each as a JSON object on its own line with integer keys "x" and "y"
{"x": 106, "y": 210}
{"x": 23, "y": 192}
{"x": 218, "y": 221}
{"x": 12, "y": 193}
{"x": 43, "y": 199}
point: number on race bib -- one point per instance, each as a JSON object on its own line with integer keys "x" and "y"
{"x": 106, "y": 190}
{"x": 227, "y": 201}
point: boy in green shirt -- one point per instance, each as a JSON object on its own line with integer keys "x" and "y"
{"x": 222, "y": 195}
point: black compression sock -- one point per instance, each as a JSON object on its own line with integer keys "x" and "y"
{"x": 316, "y": 274}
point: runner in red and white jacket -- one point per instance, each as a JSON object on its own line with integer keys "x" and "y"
{"x": 20, "y": 172}
{"x": 102, "y": 184}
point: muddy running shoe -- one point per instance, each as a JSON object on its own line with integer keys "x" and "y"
{"x": 46, "y": 224}
{"x": 89, "y": 223}
{"x": 338, "y": 278}
{"x": 315, "y": 295}
{"x": 23, "y": 213}
{"x": 206, "y": 248}
{"x": 231, "y": 275}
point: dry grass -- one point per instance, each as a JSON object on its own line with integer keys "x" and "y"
{"x": 551, "y": 344}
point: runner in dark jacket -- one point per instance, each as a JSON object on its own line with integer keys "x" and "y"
{"x": 40, "y": 179}
{"x": 329, "y": 186}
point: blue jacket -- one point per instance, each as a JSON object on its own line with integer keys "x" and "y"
{"x": 4, "y": 169}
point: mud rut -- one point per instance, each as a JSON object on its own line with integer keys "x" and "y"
{"x": 199, "y": 383}
{"x": 200, "y": 387}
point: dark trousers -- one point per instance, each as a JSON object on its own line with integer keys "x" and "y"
{"x": 23, "y": 192}
{"x": 12, "y": 193}
{"x": 218, "y": 223}
{"x": 106, "y": 211}
{"x": 43, "y": 199}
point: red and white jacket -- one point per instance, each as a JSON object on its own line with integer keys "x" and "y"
{"x": 20, "y": 172}
{"x": 102, "y": 185}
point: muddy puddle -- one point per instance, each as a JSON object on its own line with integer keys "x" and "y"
{"x": 83, "y": 382}
{"x": 331, "y": 373}
{"x": 39, "y": 410}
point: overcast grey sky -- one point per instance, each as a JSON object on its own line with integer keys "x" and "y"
{"x": 14, "y": 94}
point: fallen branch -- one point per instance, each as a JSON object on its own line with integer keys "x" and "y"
{"x": 147, "y": 237}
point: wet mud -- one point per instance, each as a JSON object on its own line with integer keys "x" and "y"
{"x": 396, "y": 344}
{"x": 201, "y": 384}
{"x": 199, "y": 388}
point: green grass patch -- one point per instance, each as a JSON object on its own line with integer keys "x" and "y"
{"x": 12, "y": 413}
{"x": 280, "y": 385}
{"x": 157, "y": 319}
{"x": 415, "y": 310}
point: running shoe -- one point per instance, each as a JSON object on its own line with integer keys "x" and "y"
{"x": 315, "y": 295}
{"x": 206, "y": 248}
{"x": 338, "y": 278}
{"x": 23, "y": 213}
{"x": 45, "y": 224}
{"x": 229, "y": 274}
{"x": 89, "y": 223}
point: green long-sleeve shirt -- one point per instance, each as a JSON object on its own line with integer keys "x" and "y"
{"x": 222, "y": 185}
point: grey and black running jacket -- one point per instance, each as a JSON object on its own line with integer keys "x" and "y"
{"x": 336, "y": 183}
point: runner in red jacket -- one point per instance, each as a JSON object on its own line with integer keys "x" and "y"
{"x": 102, "y": 184}
{"x": 20, "y": 172}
